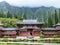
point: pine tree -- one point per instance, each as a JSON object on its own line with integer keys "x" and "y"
{"x": 15, "y": 15}
{"x": 1, "y": 14}
{"x": 56, "y": 18}
{"x": 9, "y": 15}
{"x": 24, "y": 16}
{"x": 59, "y": 15}
{"x": 50, "y": 23}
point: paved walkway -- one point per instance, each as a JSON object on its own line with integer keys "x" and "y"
{"x": 32, "y": 43}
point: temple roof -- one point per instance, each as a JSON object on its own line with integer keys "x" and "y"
{"x": 58, "y": 24}
{"x": 30, "y": 22}
{"x": 34, "y": 28}
{"x": 50, "y": 29}
{"x": 30, "y": 27}
{"x": 9, "y": 28}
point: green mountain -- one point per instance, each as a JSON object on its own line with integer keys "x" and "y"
{"x": 49, "y": 15}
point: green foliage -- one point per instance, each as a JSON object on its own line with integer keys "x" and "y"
{"x": 50, "y": 16}
{"x": 56, "y": 18}
{"x": 1, "y": 14}
{"x": 49, "y": 20}
{"x": 9, "y": 15}
{"x": 9, "y": 22}
{"x": 47, "y": 40}
{"x": 55, "y": 36}
{"x": 41, "y": 34}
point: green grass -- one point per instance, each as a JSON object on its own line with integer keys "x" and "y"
{"x": 47, "y": 40}
{"x": 18, "y": 44}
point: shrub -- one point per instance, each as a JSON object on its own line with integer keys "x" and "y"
{"x": 9, "y": 22}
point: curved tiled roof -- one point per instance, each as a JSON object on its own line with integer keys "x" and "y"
{"x": 30, "y": 22}
{"x": 50, "y": 29}
{"x": 9, "y": 28}
{"x": 58, "y": 24}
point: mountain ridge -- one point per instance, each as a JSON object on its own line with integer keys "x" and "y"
{"x": 49, "y": 15}
{"x": 30, "y": 12}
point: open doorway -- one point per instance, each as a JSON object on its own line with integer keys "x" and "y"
{"x": 30, "y": 32}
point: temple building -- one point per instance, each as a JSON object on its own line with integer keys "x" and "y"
{"x": 30, "y": 29}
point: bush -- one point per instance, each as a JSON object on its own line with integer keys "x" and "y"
{"x": 9, "y": 22}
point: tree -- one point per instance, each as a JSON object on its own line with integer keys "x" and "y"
{"x": 56, "y": 18}
{"x": 9, "y": 15}
{"x": 55, "y": 36}
{"x": 1, "y": 14}
{"x": 59, "y": 15}
{"x": 9, "y": 22}
{"x": 50, "y": 23}
{"x": 41, "y": 34}
{"x": 15, "y": 15}
{"x": 24, "y": 16}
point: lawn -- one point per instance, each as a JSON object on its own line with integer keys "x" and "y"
{"x": 46, "y": 40}
{"x": 18, "y": 44}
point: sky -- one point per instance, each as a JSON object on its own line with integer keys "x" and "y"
{"x": 34, "y": 3}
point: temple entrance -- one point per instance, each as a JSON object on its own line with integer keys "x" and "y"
{"x": 30, "y": 32}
